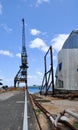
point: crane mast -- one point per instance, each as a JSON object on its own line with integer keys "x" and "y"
{"x": 23, "y": 53}
{"x": 21, "y": 76}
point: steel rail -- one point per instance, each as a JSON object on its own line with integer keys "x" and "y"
{"x": 30, "y": 98}
{"x": 48, "y": 114}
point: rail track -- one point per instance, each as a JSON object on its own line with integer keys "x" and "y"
{"x": 54, "y": 122}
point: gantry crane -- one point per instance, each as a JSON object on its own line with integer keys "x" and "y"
{"x": 21, "y": 76}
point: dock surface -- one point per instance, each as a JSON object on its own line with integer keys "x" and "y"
{"x": 12, "y": 114}
{"x": 11, "y": 110}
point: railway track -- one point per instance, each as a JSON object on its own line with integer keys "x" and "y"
{"x": 52, "y": 122}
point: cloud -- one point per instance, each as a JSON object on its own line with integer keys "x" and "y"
{"x": 34, "y": 79}
{"x": 6, "y": 28}
{"x": 8, "y": 81}
{"x": 1, "y": 8}
{"x": 38, "y": 2}
{"x": 1, "y": 77}
{"x": 6, "y": 53}
{"x": 39, "y": 74}
{"x": 54, "y": 57}
{"x": 35, "y": 32}
{"x": 18, "y": 55}
{"x": 40, "y": 44}
{"x": 58, "y": 41}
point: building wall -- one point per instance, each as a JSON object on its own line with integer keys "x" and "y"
{"x": 68, "y": 69}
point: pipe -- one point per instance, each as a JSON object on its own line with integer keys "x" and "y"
{"x": 51, "y": 119}
{"x": 62, "y": 114}
{"x": 75, "y": 115}
{"x": 57, "y": 119}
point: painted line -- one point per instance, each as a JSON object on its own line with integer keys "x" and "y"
{"x": 25, "y": 120}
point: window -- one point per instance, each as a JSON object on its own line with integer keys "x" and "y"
{"x": 60, "y": 66}
{"x": 60, "y": 82}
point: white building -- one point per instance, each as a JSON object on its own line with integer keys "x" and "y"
{"x": 67, "y": 69}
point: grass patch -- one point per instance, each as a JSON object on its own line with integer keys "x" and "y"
{"x": 38, "y": 110}
{"x": 75, "y": 124}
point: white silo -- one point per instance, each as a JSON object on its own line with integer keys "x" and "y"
{"x": 67, "y": 69}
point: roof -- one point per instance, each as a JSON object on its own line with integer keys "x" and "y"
{"x": 72, "y": 41}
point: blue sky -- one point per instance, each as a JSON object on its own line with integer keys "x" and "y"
{"x": 47, "y": 22}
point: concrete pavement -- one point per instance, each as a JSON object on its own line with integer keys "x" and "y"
{"x": 12, "y": 111}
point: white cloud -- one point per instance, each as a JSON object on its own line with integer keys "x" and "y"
{"x": 6, "y": 28}
{"x": 39, "y": 74}
{"x": 1, "y": 77}
{"x": 6, "y": 53}
{"x": 32, "y": 77}
{"x": 41, "y": 1}
{"x": 58, "y": 41}
{"x": 34, "y": 32}
{"x": 1, "y": 8}
{"x": 8, "y": 81}
{"x": 39, "y": 43}
{"x": 18, "y": 55}
{"x": 54, "y": 57}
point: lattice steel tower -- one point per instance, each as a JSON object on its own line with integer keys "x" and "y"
{"x": 21, "y": 76}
